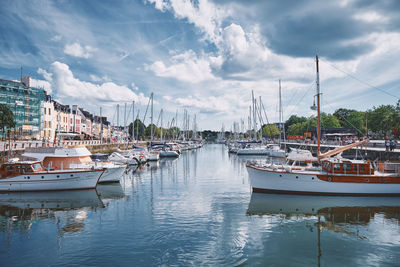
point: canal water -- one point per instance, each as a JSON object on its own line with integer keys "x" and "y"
{"x": 196, "y": 210}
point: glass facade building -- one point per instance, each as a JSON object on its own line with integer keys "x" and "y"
{"x": 25, "y": 102}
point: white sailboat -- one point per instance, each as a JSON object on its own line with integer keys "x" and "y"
{"x": 335, "y": 176}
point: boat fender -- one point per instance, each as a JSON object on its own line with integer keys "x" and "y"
{"x": 288, "y": 169}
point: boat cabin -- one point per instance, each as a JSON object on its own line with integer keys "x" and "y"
{"x": 11, "y": 169}
{"x": 347, "y": 167}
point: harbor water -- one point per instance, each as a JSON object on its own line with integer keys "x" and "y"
{"x": 196, "y": 210}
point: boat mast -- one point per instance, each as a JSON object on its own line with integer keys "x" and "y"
{"x": 254, "y": 115}
{"x": 133, "y": 121}
{"x": 280, "y": 114}
{"x": 151, "y": 123}
{"x": 118, "y": 132}
{"x": 161, "y": 126}
{"x": 318, "y": 110}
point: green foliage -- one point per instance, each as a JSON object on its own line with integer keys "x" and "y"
{"x": 270, "y": 130}
{"x": 351, "y": 119}
{"x": 329, "y": 121}
{"x": 383, "y": 119}
{"x": 6, "y": 117}
{"x": 293, "y": 120}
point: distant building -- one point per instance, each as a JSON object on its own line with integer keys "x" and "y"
{"x": 62, "y": 121}
{"x": 25, "y": 102}
{"x": 48, "y": 115}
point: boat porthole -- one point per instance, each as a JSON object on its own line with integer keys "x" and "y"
{"x": 312, "y": 178}
{"x": 72, "y": 175}
{"x": 297, "y": 209}
{"x": 383, "y": 180}
{"x": 329, "y": 179}
{"x": 29, "y": 177}
{"x": 312, "y": 209}
{"x": 297, "y": 177}
{"x": 367, "y": 180}
{"x": 42, "y": 177}
{"x": 58, "y": 176}
{"x": 280, "y": 175}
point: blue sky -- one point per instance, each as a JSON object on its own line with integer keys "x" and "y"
{"x": 205, "y": 56}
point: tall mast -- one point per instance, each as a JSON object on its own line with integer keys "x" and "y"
{"x": 125, "y": 122}
{"x": 151, "y": 123}
{"x": 280, "y": 113}
{"x": 118, "y": 136}
{"x": 133, "y": 121}
{"x": 161, "y": 126}
{"x": 101, "y": 128}
{"x": 318, "y": 110}
{"x": 254, "y": 115}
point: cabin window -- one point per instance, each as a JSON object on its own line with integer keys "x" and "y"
{"x": 25, "y": 168}
{"x": 36, "y": 166}
{"x": 347, "y": 167}
{"x": 18, "y": 168}
{"x": 355, "y": 168}
{"x": 336, "y": 167}
{"x": 10, "y": 168}
{"x": 362, "y": 168}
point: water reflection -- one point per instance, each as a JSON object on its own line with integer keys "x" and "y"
{"x": 19, "y": 210}
{"x": 373, "y": 220}
{"x": 110, "y": 191}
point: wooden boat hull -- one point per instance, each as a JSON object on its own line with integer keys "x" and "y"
{"x": 269, "y": 180}
{"x": 54, "y": 180}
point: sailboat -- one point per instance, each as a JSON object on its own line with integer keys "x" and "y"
{"x": 335, "y": 176}
{"x": 274, "y": 150}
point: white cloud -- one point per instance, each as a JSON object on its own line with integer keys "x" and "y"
{"x": 70, "y": 90}
{"x": 186, "y": 67}
{"x": 76, "y": 50}
{"x": 206, "y": 15}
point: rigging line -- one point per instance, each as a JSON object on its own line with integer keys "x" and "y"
{"x": 301, "y": 99}
{"x": 358, "y": 130}
{"x": 357, "y": 79}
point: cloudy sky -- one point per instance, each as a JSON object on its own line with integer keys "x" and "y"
{"x": 205, "y": 56}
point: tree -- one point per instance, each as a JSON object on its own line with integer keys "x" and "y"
{"x": 139, "y": 128}
{"x": 382, "y": 119}
{"x": 269, "y": 130}
{"x": 6, "y": 118}
{"x": 352, "y": 119}
{"x": 329, "y": 121}
{"x": 293, "y": 120}
{"x": 156, "y": 131}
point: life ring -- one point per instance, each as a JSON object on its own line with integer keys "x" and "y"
{"x": 141, "y": 157}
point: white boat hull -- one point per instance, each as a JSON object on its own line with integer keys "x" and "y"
{"x": 154, "y": 156}
{"x": 55, "y": 180}
{"x": 282, "y": 181}
{"x": 112, "y": 174}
